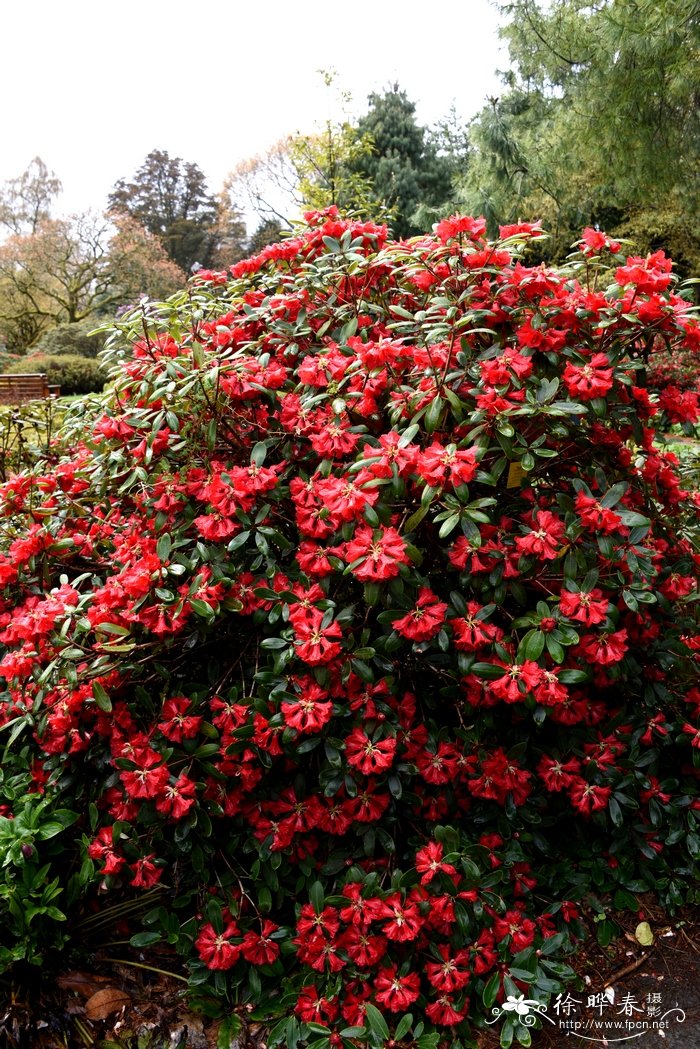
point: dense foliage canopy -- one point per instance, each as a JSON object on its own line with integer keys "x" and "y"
{"x": 362, "y": 624}
{"x": 597, "y": 123}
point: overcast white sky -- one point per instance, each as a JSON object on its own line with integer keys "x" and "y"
{"x": 92, "y": 86}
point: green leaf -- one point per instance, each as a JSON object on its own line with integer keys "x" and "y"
{"x": 49, "y": 830}
{"x": 448, "y": 525}
{"x": 693, "y": 844}
{"x": 317, "y": 896}
{"x": 102, "y": 700}
{"x": 573, "y": 677}
{"x": 532, "y": 645}
{"x": 490, "y": 671}
{"x": 523, "y": 1035}
{"x": 507, "y": 1031}
{"x": 229, "y": 1031}
{"x": 432, "y": 416}
{"x": 408, "y": 434}
{"x": 376, "y": 1022}
{"x": 403, "y": 1027}
{"x": 65, "y": 817}
{"x": 490, "y": 991}
{"x": 555, "y": 649}
{"x": 528, "y": 975}
{"x": 416, "y": 518}
{"x": 144, "y": 939}
{"x": 238, "y": 541}
{"x": 201, "y": 608}
{"x": 399, "y": 311}
{"x": 258, "y": 453}
{"x": 644, "y": 935}
{"x": 615, "y": 812}
{"x": 552, "y": 944}
{"x": 606, "y": 931}
{"x": 431, "y": 1040}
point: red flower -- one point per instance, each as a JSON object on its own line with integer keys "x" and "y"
{"x": 425, "y": 620}
{"x": 648, "y": 275}
{"x": 178, "y": 724}
{"x": 587, "y": 607}
{"x": 319, "y": 953}
{"x": 473, "y": 632}
{"x": 312, "y": 1007}
{"x": 313, "y": 559}
{"x": 404, "y": 919}
{"x": 500, "y": 370}
{"x": 316, "y": 644}
{"x": 178, "y": 798}
{"x": 557, "y": 775}
{"x": 311, "y": 922}
{"x": 216, "y": 949}
{"x": 390, "y": 454}
{"x": 587, "y": 381}
{"x": 368, "y": 805}
{"x": 146, "y": 873}
{"x": 443, "y": 1012}
{"x": 310, "y": 712}
{"x": 367, "y": 755}
{"x": 520, "y": 929}
{"x": 396, "y": 992}
{"x": 376, "y": 558}
{"x": 429, "y": 862}
{"x": 335, "y": 440}
{"x": 258, "y": 948}
{"x": 438, "y": 766}
{"x": 437, "y": 463}
{"x": 543, "y": 540}
{"x": 456, "y": 224}
{"x": 677, "y": 586}
{"x": 531, "y": 229}
{"x": 587, "y": 797}
{"x": 680, "y": 406}
{"x": 363, "y": 948}
{"x": 148, "y": 781}
{"x": 452, "y": 973}
{"x": 594, "y": 241}
{"x": 694, "y": 733}
{"x": 102, "y": 848}
{"x": 360, "y": 910}
{"x": 518, "y": 680}
{"x": 604, "y": 649}
{"x": 595, "y": 517}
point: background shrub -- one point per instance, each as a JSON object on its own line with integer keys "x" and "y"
{"x": 7, "y": 359}
{"x": 372, "y": 575}
{"x": 72, "y": 339}
{"x": 72, "y": 373}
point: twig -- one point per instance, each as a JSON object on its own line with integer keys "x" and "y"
{"x": 149, "y": 968}
{"x": 626, "y": 970}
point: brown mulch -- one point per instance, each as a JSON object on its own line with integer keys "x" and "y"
{"x": 122, "y": 1004}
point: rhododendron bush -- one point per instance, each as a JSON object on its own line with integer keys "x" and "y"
{"x": 360, "y": 627}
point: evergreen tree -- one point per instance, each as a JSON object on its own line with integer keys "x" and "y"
{"x": 599, "y": 119}
{"x": 169, "y": 197}
{"x": 269, "y": 231}
{"x": 403, "y": 165}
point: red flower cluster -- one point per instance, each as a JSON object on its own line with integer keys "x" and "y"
{"x": 371, "y": 572}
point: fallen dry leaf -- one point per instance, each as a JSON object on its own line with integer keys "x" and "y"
{"x": 105, "y": 1002}
{"x": 85, "y": 984}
